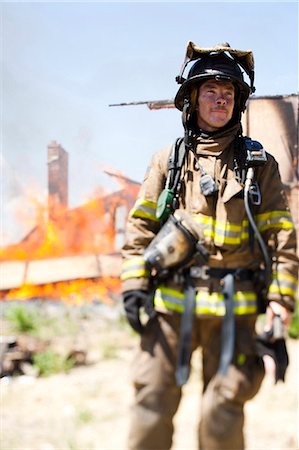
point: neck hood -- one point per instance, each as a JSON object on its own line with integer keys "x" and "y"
{"x": 217, "y": 142}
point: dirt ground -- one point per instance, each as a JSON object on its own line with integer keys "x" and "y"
{"x": 88, "y": 408}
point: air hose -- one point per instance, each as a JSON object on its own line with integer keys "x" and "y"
{"x": 263, "y": 247}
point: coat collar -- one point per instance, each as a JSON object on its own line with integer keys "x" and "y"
{"x": 214, "y": 144}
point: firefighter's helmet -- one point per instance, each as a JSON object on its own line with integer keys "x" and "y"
{"x": 220, "y": 63}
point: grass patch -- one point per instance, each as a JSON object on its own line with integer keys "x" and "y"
{"x": 48, "y": 363}
{"x": 22, "y": 319}
{"x": 40, "y": 321}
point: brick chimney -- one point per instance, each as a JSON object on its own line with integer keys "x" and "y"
{"x": 57, "y": 179}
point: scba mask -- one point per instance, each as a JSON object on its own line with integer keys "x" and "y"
{"x": 176, "y": 244}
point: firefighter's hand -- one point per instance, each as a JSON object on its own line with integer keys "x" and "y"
{"x": 275, "y": 359}
{"x": 133, "y": 301}
{"x": 276, "y": 309}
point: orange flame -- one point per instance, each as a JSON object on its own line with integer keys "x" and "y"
{"x": 88, "y": 229}
{"x": 73, "y": 292}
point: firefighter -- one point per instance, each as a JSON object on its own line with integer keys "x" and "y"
{"x": 212, "y": 180}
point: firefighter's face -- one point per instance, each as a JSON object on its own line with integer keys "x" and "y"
{"x": 215, "y": 104}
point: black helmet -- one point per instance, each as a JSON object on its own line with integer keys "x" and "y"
{"x": 217, "y": 66}
{"x": 221, "y": 63}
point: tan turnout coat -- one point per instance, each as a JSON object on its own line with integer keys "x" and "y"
{"x": 225, "y": 228}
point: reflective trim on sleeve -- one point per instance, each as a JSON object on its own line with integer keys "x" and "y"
{"x": 284, "y": 284}
{"x": 169, "y": 299}
{"x": 206, "y": 303}
{"x": 145, "y": 209}
{"x": 275, "y": 219}
{"x": 134, "y": 268}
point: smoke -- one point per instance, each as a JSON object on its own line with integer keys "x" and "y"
{"x": 17, "y": 210}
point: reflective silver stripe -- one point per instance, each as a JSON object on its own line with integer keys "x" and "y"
{"x": 217, "y": 307}
{"x": 274, "y": 219}
{"x": 283, "y": 284}
{"x": 229, "y": 233}
{"x": 134, "y": 268}
{"x": 144, "y": 209}
{"x": 169, "y": 298}
{"x": 223, "y": 232}
{"x": 206, "y": 303}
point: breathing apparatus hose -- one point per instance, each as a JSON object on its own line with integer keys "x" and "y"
{"x": 263, "y": 247}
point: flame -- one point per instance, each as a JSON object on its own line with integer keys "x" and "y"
{"x": 59, "y": 232}
{"x": 85, "y": 229}
{"x": 75, "y": 292}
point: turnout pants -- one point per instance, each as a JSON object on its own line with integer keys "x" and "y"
{"x": 157, "y": 396}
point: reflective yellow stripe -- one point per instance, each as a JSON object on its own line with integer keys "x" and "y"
{"x": 275, "y": 219}
{"x": 135, "y": 260}
{"x": 223, "y": 232}
{"x": 227, "y": 226}
{"x": 285, "y": 276}
{"x": 134, "y": 268}
{"x": 135, "y": 274}
{"x": 282, "y": 290}
{"x": 169, "y": 298}
{"x": 224, "y": 239}
{"x": 283, "y": 284}
{"x": 206, "y": 303}
{"x": 145, "y": 209}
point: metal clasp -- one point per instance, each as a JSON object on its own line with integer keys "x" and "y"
{"x": 255, "y": 194}
{"x": 201, "y": 272}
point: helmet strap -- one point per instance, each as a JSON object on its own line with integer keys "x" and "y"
{"x": 189, "y": 136}
{"x": 188, "y": 111}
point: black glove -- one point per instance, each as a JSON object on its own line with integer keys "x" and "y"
{"x": 133, "y": 301}
{"x": 276, "y": 348}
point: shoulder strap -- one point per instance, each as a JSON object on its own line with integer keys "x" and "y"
{"x": 168, "y": 199}
{"x": 175, "y": 164}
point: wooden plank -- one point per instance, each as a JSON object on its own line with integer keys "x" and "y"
{"x": 62, "y": 269}
{"x": 12, "y": 274}
{"x": 110, "y": 265}
{"x": 53, "y": 270}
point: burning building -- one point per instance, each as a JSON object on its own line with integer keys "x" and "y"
{"x": 70, "y": 253}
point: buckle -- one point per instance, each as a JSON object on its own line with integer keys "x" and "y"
{"x": 255, "y": 194}
{"x": 201, "y": 272}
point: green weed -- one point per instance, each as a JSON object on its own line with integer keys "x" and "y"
{"x": 49, "y": 363}
{"x": 22, "y": 318}
{"x": 37, "y": 321}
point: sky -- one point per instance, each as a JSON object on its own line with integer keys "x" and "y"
{"x": 63, "y": 63}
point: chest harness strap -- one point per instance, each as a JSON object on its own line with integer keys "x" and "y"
{"x": 168, "y": 199}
